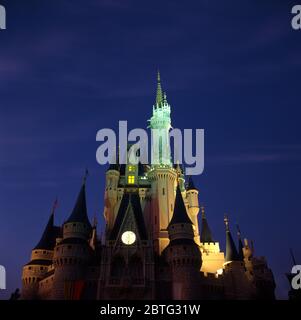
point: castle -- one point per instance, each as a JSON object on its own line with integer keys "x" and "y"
{"x": 153, "y": 247}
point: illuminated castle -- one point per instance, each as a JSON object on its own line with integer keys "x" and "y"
{"x": 153, "y": 247}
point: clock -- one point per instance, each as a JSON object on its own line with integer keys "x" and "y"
{"x": 128, "y": 237}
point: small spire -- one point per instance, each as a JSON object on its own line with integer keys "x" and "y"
{"x": 226, "y": 220}
{"x": 240, "y": 244}
{"x": 206, "y": 235}
{"x": 231, "y": 251}
{"x": 180, "y": 212}
{"x": 165, "y": 97}
{"x": 79, "y": 212}
{"x": 238, "y": 231}
{"x": 85, "y": 176}
{"x": 54, "y": 207}
{"x": 203, "y": 212}
{"x": 293, "y": 256}
{"x": 159, "y": 96}
{"x": 47, "y": 240}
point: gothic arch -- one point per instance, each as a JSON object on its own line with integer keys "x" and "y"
{"x": 136, "y": 269}
{"x": 117, "y": 267}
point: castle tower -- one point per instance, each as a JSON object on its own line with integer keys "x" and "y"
{"x": 160, "y": 123}
{"x": 183, "y": 254}
{"x": 111, "y": 195}
{"x": 73, "y": 252}
{"x": 213, "y": 258}
{"x": 192, "y": 196}
{"x": 162, "y": 175}
{"x": 258, "y": 273}
{"x": 127, "y": 269}
{"x": 41, "y": 260}
{"x": 237, "y": 283}
{"x": 231, "y": 251}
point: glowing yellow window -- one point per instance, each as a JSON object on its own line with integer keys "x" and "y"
{"x": 131, "y": 168}
{"x": 131, "y": 179}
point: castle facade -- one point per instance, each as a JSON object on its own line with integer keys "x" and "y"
{"x": 155, "y": 244}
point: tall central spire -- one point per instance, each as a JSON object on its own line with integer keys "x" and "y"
{"x": 159, "y": 96}
{"x": 160, "y": 123}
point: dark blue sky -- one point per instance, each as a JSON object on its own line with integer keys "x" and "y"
{"x": 70, "y": 68}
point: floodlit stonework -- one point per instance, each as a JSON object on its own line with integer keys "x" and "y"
{"x": 155, "y": 244}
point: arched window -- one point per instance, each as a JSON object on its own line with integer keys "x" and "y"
{"x": 136, "y": 269}
{"x": 117, "y": 267}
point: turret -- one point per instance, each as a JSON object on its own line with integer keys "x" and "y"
{"x": 41, "y": 260}
{"x": 72, "y": 254}
{"x": 193, "y": 199}
{"x": 161, "y": 175}
{"x": 112, "y": 179}
{"x": 111, "y": 194}
{"x": 160, "y": 123}
{"x": 213, "y": 258}
{"x": 192, "y": 196}
{"x": 183, "y": 254}
{"x": 231, "y": 251}
{"x": 206, "y": 235}
{"x": 181, "y": 178}
{"x": 78, "y": 224}
{"x": 238, "y": 285}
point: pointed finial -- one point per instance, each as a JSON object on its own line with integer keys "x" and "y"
{"x": 159, "y": 96}
{"x": 165, "y": 97}
{"x": 203, "y": 212}
{"x": 238, "y": 231}
{"x": 293, "y": 256}
{"x": 85, "y": 176}
{"x": 54, "y": 206}
{"x": 226, "y": 220}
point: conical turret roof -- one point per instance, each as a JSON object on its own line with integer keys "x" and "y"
{"x": 231, "y": 251}
{"x": 180, "y": 212}
{"x": 47, "y": 241}
{"x": 79, "y": 213}
{"x": 206, "y": 235}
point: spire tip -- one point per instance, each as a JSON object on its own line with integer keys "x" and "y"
{"x": 85, "y": 176}
{"x": 226, "y": 220}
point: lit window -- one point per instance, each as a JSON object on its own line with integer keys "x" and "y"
{"x": 131, "y": 168}
{"x": 131, "y": 179}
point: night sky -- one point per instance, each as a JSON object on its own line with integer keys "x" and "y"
{"x": 70, "y": 68}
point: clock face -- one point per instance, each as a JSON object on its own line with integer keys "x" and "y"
{"x": 128, "y": 237}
